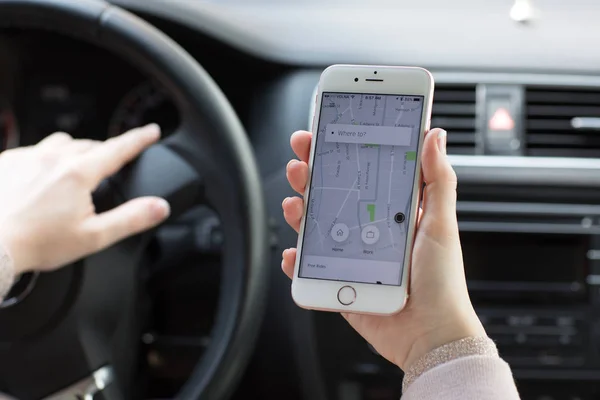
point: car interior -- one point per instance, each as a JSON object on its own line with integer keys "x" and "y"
{"x": 199, "y": 308}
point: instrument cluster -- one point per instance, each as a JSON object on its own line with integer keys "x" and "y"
{"x": 62, "y": 85}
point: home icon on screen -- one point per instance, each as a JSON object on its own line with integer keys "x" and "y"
{"x": 340, "y": 232}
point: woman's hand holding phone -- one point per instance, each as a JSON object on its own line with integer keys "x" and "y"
{"x": 439, "y": 310}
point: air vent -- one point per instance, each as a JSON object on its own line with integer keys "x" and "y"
{"x": 454, "y": 110}
{"x": 562, "y": 122}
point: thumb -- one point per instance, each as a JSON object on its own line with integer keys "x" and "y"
{"x": 439, "y": 199}
{"x": 126, "y": 220}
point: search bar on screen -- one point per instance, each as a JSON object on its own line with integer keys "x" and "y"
{"x": 368, "y": 134}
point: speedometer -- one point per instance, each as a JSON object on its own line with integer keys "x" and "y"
{"x": 142, "y": 105}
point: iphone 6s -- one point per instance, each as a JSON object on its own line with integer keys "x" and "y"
{"x": 362, "y": 197}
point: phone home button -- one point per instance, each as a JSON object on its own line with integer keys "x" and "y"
{"x": 346, "y": 295}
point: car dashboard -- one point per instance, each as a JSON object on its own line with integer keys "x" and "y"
{"x": 523, "y": 125}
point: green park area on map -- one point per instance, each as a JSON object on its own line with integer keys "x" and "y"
{"x": 371, "y": 211}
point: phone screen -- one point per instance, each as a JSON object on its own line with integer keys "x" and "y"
{"x": 361, "y": 188}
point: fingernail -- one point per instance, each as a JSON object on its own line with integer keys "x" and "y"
{"x": 284, "y": 253}
{"x": 161, "y": 209}
{"x": 291, "y": 162}
{"x": 284, "y": 201}
{"x": 152, "y": 130}
{"x": 442, "y": 136}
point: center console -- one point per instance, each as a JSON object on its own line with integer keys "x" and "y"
{"x": 533, "y": 278}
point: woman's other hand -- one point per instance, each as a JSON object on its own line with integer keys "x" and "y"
{"x": 47, "y": 216}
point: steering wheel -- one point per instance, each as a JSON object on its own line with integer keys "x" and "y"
{"x": 76, "y": 333}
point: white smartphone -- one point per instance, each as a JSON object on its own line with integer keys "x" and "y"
{"x": 362, "y": 197}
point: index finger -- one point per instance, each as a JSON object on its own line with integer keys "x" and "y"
{"x": 300, "y": 142}
{"x": 109, "y": 157}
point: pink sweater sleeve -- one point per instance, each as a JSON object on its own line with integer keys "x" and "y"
{"x": 475, "y": 377}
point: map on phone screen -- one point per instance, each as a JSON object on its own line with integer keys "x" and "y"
{"x": 363, "y": 172}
